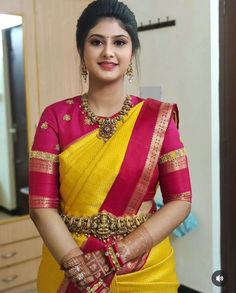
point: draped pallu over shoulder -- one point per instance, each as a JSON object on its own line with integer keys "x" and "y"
{"x": 128, "y": 192}
{"x": 89, "y": 167}
{"x": 114, "y": 176}
{"x": 141, "y": 158}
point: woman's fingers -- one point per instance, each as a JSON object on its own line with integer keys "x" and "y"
{"x": 105, "y": 290}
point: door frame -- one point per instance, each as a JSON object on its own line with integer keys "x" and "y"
{"x": 227, "y": 146}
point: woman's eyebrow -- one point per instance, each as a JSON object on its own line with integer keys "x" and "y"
{"x": 105, "y": 37}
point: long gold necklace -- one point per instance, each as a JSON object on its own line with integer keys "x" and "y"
{"x": 107, "y": 125}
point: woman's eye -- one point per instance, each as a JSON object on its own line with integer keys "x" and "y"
{"x": 96, "y": 43}
{"x": 120, "y": 43}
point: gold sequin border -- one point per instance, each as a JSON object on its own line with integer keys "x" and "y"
{"x": 173, "y": 155}
{"x": 152, "y": 158}
{"x": 43, "y": 202}
{"x": 42, "y": 166}
{"x": 179, "y": 163}
{"x": 185, "y": 196}
{"x": 44, "y": 156}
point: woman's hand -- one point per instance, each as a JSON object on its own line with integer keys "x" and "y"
{"x": 83, "y": 269}
{"x": 135, "y": 245}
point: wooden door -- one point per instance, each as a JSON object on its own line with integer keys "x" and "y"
{"x": 228, "y": 141}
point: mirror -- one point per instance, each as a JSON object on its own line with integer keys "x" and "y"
{"x": 13, "y": 124}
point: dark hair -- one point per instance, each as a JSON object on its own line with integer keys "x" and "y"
{"x": 106, "y": 8}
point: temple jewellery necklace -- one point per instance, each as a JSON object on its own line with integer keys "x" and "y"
{"x": 107, "y": 125}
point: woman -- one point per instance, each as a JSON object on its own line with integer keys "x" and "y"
{"x": 94, "y": 167}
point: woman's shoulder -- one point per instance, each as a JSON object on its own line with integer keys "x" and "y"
{"x": 63, "y": 105}
{"x": 152, "y": 102}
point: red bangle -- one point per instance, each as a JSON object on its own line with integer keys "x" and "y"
{"x": 118, "y": 255}
{"x": 96, "y": 286}
{"x": 113, "y": 256}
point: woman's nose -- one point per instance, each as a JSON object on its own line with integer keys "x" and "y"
{"x": 108, "y": 51}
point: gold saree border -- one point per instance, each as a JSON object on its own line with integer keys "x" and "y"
{"x": 44, "y": 156}
{"x": 42, "y": 166}
{"x": 184, "y": 196}
{"x": 161, "y": 125}
{"x": 175, "y": 165}
{"x": 173, "y": 155}
{"x": 36, "y": 201}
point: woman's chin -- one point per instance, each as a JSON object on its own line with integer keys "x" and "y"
{"x": 109, "y": 78}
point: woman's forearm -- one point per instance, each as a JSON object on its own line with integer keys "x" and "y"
{"x": 166, "y": 219}
{"x": 53, "y": 232}
{"x": 156, "y": 229}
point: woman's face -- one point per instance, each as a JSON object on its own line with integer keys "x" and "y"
{"x": 107, "y": 51}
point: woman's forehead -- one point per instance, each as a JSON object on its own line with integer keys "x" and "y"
{"x": 108, "y": 27}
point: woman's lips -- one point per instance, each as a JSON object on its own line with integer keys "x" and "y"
{"x": 107, "y": 65}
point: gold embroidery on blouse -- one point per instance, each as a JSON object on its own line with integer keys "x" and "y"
{"x": 44, "y": 125}
{"x": 185, "y": 196}
{"x": 57, "y": 147}
{"x": 67, "y": 117}
{"x": 42, "y": 166}
{"x": 87, "y": 121}
{"x": 70, "y": 101}
{"x": 174, "y": 165}
{"x": 44, "y": 156}
{"x": 171, "y": 156}
{"x": 43, "y": 202}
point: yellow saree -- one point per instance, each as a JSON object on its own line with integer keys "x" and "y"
{"x": 88, "y": 170}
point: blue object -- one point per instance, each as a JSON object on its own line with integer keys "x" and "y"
{"x": 189, "y": 224}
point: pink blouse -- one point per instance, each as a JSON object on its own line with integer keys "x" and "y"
{"x": 62, "y": 123}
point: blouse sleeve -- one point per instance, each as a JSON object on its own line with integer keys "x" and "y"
{"x": 173, "y": 167}
{"x": 43, "y": 163}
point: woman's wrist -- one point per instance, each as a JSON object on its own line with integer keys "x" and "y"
{"x": 73, "y": 253}
{"x": 135, "y": 244}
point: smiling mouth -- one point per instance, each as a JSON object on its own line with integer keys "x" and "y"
{"x": 107, "y": 65}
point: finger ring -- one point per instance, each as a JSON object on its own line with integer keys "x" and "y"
{"x": 80, "y": 276}
{"x": 82, "y": 284}
{"x": 72, "y": 272}
{"x": 78, "y": 268}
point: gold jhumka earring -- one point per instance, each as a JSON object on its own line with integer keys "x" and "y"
{"x": 84, "y": 72}
{"x": 130, "y": 72}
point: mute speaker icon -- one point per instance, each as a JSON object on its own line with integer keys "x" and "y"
{"x": 218, "y": 278}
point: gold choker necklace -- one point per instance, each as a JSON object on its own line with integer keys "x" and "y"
{"x": 107, "y": 125}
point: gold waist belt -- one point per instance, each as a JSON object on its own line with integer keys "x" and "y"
{"x": 103, "y": 225}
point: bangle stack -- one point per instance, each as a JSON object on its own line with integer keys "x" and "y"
{"x": 113, "y": 256}
{"x": 73, "y": 270}
{"x": 72, "y": 262}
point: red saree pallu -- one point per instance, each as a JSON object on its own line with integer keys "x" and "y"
{"x": 113, "y": 179}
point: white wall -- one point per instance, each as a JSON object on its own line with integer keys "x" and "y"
{"x": 183, "y": 60}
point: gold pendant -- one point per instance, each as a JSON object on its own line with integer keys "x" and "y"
{"x": 106, "y": 130}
